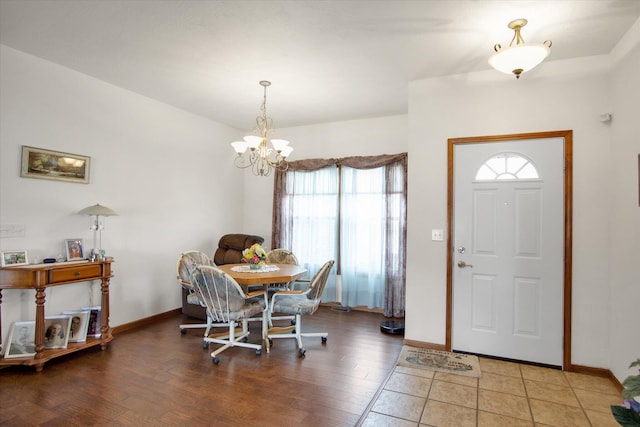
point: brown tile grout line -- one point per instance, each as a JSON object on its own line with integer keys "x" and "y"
{"x": 584, "y": 411}
{"x": 526, "y": 394}
{"x": 573, "y": 392}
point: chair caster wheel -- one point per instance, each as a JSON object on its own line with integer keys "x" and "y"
{"x": 215, "y": 360}
{"x": 183, "y": 331}
{"x": 324, "y": 339}
{"x": 205, "y": 345}
{"x": 301, "y": 352}
{"x": 258, "y": 352}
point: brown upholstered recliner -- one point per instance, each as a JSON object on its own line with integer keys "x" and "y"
{"x": 229, "y": 251}
{"x": 230, "y": 248}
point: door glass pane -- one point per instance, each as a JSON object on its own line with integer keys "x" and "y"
{"x": 507, "y": 167}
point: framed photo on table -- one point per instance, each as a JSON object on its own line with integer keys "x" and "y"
{"x": 56, "y": 331}
{"x": 74, "y": 249}
{"x": 21, "y": 342}
{"x": 9, "y": 258}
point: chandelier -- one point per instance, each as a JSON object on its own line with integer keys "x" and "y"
{"x": 521, "y": 57}
{"x": 261, "y": 157}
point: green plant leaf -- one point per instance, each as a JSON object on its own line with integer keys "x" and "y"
{"x": 631, "y": 387}
{"x": 636, "y": 363}
{"x": 625, "y": 417}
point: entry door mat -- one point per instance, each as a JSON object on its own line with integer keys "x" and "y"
{"x": 442, "y": 361}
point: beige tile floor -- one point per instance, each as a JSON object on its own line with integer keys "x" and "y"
{"x": 506, "y": 394}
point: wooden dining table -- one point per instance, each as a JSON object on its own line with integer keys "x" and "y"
{"x": 286, "y": 273}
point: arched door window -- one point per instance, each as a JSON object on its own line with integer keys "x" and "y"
{"x": 507, "y": 166}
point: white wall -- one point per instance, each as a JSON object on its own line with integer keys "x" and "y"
{"x": 366, "y": 137}
{"x": 164, "y": 171}
{"x": 624, "y": 215}
{"x": 493, "y": 104}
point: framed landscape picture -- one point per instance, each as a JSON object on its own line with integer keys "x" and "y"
{"x": 9, "y": 258}
{"x": 21, "y": 342}
{"x": 48, "y": 164}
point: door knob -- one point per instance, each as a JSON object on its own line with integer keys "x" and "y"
{"x": 463, "y": 264}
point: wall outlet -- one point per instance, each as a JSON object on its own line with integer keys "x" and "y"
{"x": 437, "y": 235}
{"x": 12, "y": 230}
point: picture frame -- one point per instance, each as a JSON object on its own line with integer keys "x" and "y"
{"x": 41, "y": 163}
{"x": 56, "y": 331}
{"x": 21, "y": 340}
{"x": 79, "y": 324}
{"x": 94, "y": 325}
{"x": 74, "y": 248}
{"x": 11, "y": 258}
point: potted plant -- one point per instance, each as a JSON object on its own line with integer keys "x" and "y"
{"x": 628, "y": 414}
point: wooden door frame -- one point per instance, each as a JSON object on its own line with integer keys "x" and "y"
{"x": 568, "y": 226}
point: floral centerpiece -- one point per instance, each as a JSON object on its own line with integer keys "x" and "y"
{"x": 628, "y": 414}
{"x": 255, "y": 256}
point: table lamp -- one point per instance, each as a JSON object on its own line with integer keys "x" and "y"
{"x": 96, "y": 214}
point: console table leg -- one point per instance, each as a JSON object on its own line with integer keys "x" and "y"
{"x": 39, "y": 338}
{"x": 105, "y": 330}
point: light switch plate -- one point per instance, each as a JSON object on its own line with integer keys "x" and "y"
{"x": 437, "y": 235}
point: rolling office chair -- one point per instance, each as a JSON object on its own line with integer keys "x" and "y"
{"x": 227, "y": 303}
{"x": 298, "y": 303}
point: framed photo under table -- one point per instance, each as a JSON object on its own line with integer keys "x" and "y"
{"x": 21, "y": 341}
{"x": 79, "y": 325}
{"x": 56, "y": 331}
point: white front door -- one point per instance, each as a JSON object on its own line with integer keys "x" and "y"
{"x": 508, "y": 240}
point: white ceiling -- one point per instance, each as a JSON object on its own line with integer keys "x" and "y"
{"x": 328, "y": 60}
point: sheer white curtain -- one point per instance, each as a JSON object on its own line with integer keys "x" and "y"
{"x": 311, "y": 201}
{"x": 362, "y": 237}
{"x": 352, "y": 210}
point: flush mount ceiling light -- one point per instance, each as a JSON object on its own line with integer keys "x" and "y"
{"x": 521, "y": 57}
{"x": 261, "y": 157}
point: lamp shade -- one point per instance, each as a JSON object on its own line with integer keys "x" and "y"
{"x": 98, "y": 209}
{"x": 279, "y": 144}
{"x": 522, "y": 57}
{"x": 239, "y": 146}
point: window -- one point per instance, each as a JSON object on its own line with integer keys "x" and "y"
{"x": 507, "y": 166}
{"x": 352, "y": 210}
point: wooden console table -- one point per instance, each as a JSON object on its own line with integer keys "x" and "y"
{"x": 41, "y": 276}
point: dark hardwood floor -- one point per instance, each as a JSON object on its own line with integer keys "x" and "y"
{"x": 155, "y": 376}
